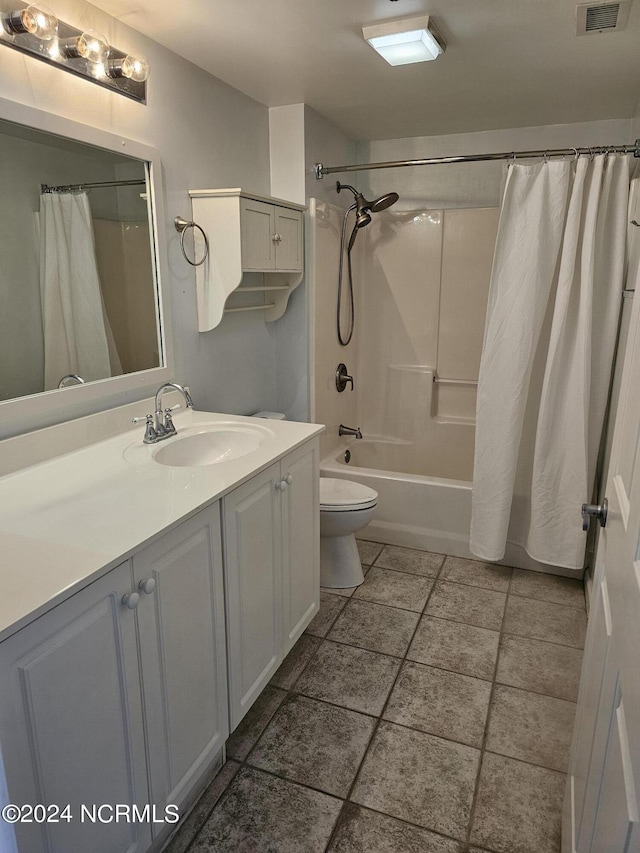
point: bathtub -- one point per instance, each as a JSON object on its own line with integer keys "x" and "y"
{"x": 420, "y": 510}
{"x": 414, "y": 510}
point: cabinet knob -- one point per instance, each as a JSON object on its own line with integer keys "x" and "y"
{"x": 289, "y": 479}
{"x": 147, "y": 586}
{"x": 131, "y": 600}
{"x": 277, "y": 238}
{"x": 281, "y": 485}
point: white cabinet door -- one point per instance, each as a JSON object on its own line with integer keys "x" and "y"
{"x": 257, "y": 226}
{"x": 602, "y": 806}
{"x": 71, "y": 721}
{"x": 252, "y": 540}
{"x": 289, "y": 246}
{"x": 301, "y": 541}
{"x": 182, "y": 644}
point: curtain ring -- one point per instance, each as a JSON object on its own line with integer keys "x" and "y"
{"x": 512, "y": 159}
{"x": 546, "y": 156}
{"x": 182, "y": 226}
{"x": 576, "y": 154}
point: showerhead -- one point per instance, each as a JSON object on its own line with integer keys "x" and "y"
{"x": 365, "y": 208}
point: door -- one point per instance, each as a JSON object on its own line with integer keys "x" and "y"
{"x": 257, "y": 228}
{"x": 300, "y": 541}
{"x": 289, "y": 246}
{"x": 71, "y": 722}
{"x": 601, "y": 805}
{"x": 253, "y": 559}
{"x": 183, "y": 652}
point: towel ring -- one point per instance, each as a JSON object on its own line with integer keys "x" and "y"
{"x": 182, "y": 226}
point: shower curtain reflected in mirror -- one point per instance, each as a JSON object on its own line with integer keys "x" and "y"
{"x": 554, "y": 301}
{"x": 77, "y": 337}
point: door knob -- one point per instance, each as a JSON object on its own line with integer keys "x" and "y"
{"x": 599, "y": 511}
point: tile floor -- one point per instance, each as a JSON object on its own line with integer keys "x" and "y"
{"x": 427, "y": 711}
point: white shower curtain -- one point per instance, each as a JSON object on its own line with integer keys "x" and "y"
{"x": 75, "y": 334}
{"x": 548, "y": 349}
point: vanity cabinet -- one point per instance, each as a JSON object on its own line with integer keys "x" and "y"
{"x": 118, "y": 695}
{"x": 247, "y": 233}
{"x": 272, "y": 570}
{"x": 71, "y": 722}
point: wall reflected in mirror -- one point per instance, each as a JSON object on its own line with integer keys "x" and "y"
{"x": 77, "y": 273}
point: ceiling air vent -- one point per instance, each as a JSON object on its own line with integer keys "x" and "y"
{"x": 597, "y": 18}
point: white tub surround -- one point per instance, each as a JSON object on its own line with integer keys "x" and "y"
{"x": 67, "y": 520}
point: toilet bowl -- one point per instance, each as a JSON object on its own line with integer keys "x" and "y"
{"x": 345, "y": 508}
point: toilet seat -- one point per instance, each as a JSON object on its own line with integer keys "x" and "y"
{"x": 345, "y": 496}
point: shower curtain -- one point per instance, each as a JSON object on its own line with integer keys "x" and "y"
{"x": 554, "y": 300}
{"x": 74, "y": 321}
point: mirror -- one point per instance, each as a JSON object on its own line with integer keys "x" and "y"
{"x": 77, "y": 263}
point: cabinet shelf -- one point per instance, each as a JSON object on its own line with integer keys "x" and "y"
{"x": 246, "y": 233}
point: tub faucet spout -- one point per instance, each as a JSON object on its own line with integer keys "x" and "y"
{"x": 346, "y": 430}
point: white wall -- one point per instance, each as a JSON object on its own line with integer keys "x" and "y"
{"x": 208, "y": 135}
{"x": 293, "y": 178}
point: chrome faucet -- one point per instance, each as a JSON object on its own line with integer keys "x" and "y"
{"x": 345, "y": 430}
{"x": 160, "y": 425}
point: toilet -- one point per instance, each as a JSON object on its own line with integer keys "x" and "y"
{"x": 345, "y": 508}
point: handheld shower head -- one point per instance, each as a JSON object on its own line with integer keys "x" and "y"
{"x": 363, "y": 214}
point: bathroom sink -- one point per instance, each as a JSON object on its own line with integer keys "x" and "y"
{"x": 202, "y": 444}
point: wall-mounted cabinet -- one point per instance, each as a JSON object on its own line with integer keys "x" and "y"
{"x": 247, "y": 233}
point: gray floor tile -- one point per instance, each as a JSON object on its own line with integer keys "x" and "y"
{"x": 569, "y": 591}
{"x": 375, "y": 627}
{"x": 396, "y": 589}
{"x": 419, "y": 778}
{"x": 543, "y": 620}
{"x": 299, "y": 656}
{"x": 363, "y": 831}
{"x": 352, "y": 678}
{"x": 542, "y": 667}
{"x": 330, "y": 606}
{"x": 531, "y": 727}
{"x": 183, "y": 838}
{"x": 368, "y": 551}
{"x": 518, "y": 808}
{"x": 455, "y": 646}
{"x": 439, "y": 702}
{"x": 410, "y": 560}
{"x": 254, "y": 723}
{"x": 471, "y": 605}
{"x": 474, "y": 573}
{"x": 315, "y": 744}
{"x": 262, "y": 814}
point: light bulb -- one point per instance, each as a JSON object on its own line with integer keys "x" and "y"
{"x": 91, "y": 46}
{"x": 38, "y": 21}
{"x": 134, "y": 68}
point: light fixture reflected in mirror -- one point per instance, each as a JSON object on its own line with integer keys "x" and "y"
{"x": 31, "y": 29}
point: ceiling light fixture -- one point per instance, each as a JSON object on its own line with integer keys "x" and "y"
{"x": 32, "y": 29}
{"x": 404, "y": 41}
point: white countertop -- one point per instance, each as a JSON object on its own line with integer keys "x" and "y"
{"x": 68, "y": 520}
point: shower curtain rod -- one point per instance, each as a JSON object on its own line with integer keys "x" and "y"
{"x": 322, "y": 170}
{"x": 94, "y": 186}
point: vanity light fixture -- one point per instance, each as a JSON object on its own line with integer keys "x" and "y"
{"x": 406, "y": 40}
{"x": 32, "y": 29}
